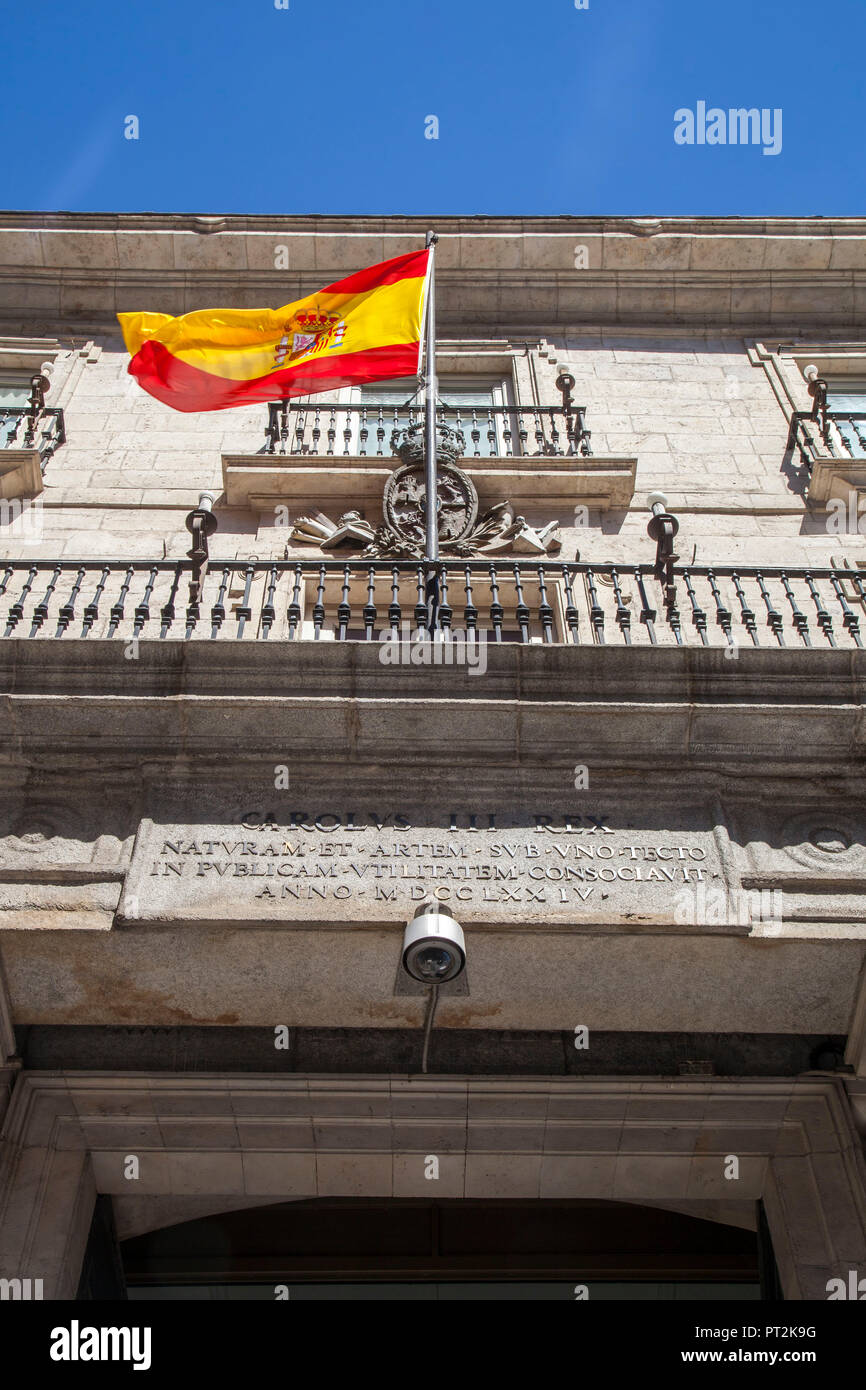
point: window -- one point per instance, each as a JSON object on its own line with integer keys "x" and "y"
{"x": 14, "y": 398}
{"x": 472, "y": 405}
{"x": 846, "y": 406}
{"x": 360, "y": 421}
{"x": 14, "y": 389}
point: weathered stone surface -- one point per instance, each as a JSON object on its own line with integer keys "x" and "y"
{"x": 357, "y": 1143}
{"x": 767, "y": 712}
{"x": 701, "y": 270}
{"x": 334, "y": 866}
{"x": 53, "y": 907}
{"x": 166, "y": 974}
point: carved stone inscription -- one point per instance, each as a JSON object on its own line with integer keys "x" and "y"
{"x": 333, "y": 867}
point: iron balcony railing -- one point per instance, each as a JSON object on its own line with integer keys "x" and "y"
{"x": 34, "y": 425}
{"x": 499, "y": 601}
{"x": 842, "y": 432}
{"x": 323, "y": 428}
{"x": 43, "y": 430}
{"x": 851, "y": 429}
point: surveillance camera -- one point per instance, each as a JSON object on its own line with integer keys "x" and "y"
{"x": 434, "y": 949}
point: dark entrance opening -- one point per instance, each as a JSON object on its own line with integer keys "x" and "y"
{"x": 404, "y": 1249}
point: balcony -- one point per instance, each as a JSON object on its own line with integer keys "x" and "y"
{"x": 29, "y": 435}
{"x": 842, "y": 433}
{"x": 323, "y": 451}
{"x": 534, "y": 664}
{"x": 487, "y": 432}
{"x": 832, "y": 446}
{"x": 528, "y": 603}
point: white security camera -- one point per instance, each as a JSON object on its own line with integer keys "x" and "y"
{"x": 434, "y": 949}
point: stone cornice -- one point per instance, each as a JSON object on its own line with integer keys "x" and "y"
{"x": 76, "y": 271}
{"x": 445, "y": 223}
{"x": 326, "y": 702}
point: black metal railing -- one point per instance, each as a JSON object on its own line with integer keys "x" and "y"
{"x": 498, "y": 601}
{"x": 323, "y": 428}
{"x": 34, "y": 425}
{"x": 851, "y": 430}
{"x": 841, "y": 432}
{"x": 45, "y": 431}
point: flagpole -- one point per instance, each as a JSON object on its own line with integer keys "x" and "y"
{"x": 431, "y": 478}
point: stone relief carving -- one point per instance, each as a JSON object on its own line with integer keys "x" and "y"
{"x": 405, "y": 504}
{"x": 826, "y": 840}
{"x": 827, "y": 843}
{"x": 318, "y": 529}
{"x": 498, "y": 530}
{"x": 47, "y": 835}
{"x": 61, "y": 866}
{"x": 402, "y": 533}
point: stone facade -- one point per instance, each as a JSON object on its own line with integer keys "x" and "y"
{"x": 656, "y": 838}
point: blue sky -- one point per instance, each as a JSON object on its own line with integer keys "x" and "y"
{"x": 321, "y": 107}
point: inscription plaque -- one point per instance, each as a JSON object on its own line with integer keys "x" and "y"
{"x": 340, "y": 867}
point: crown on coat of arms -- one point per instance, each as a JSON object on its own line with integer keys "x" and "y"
{"x": 314, "y": 322}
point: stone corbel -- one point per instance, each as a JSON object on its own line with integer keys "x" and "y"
{"x": 839, "y": 479}
{"x": 20, "y": 474}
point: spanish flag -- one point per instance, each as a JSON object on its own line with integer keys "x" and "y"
{"x": 367, "y": 327}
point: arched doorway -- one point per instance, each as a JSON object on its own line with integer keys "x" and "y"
{"x": 356, "y": 1248}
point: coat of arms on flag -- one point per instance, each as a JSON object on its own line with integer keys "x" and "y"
{"x": 316, "y": 329}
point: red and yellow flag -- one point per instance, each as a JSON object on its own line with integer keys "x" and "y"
{"x": 365, "y": 328}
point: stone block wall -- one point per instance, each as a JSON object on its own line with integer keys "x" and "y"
{"x": 701, "y": 419}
